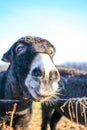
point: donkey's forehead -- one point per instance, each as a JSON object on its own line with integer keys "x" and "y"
{"x": 38, "y": 44}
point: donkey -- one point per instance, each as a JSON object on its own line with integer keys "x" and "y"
{"x": 31, "y": 76}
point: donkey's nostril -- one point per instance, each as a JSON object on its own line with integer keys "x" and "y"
{"x": 36, "y": 72}
{"x": 54, "y": 75}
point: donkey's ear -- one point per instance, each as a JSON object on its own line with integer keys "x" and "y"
{"x": 7, "y": 57}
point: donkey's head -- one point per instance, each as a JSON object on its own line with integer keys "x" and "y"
{"x": 32, "y": 71}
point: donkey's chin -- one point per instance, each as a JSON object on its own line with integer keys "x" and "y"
{"x": 40, "y": 97}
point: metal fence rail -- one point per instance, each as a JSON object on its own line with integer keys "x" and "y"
{"x": 59, "y": 99}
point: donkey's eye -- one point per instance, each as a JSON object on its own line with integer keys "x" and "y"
{"x": 20, "y": 48}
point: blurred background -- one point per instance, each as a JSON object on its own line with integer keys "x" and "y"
{"x": 62, "y": 22}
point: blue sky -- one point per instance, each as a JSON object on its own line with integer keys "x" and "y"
{"x": 62, "y": 22}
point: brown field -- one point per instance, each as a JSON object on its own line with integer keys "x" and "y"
{"x": 64, "y": 123}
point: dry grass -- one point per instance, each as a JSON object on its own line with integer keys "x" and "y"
{"x": 35, "y": 124}
{"x": 3, "y": 125}
{"x": 64, "y": 123}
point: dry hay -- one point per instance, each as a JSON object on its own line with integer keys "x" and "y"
{"x": 76, "y": 101}
{"x": 9, "y": 116}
